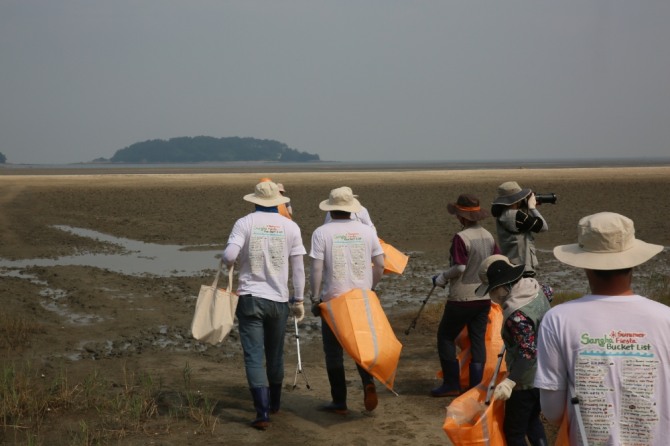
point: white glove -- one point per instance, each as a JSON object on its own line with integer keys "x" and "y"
{"x": 532, "y": 201}
{"x": 440, "y": 280}
{"x": 504, "y": 390}
{"x": 298, "y": 310}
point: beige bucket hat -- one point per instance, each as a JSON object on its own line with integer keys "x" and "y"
{"x": 606, "y": 241}
{"x": 341, "y": 199}
{"x": 266, "y": 194}
{"x": 510, "y": 192}
{"x": 495, "y": 271}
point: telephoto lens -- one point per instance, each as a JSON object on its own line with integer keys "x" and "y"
{"x": 546, "y": 198}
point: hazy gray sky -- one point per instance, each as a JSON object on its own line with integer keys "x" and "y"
{"x": 351, "y": 80}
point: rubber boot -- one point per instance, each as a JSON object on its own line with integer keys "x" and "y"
{"x": 275, "y": 397}
{"x": 539, "y": 442}
{"x": 338, "y": 392}
{"x": 476, "y": 374}
{"x": 261, "y": 396}
{"x": 451, "y": 383}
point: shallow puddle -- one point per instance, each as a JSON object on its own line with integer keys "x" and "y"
{"x": 139, "y": 258}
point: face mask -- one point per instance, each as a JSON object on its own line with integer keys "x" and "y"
{"x": 499, "y": 294}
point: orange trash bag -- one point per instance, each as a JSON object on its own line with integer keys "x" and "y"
{"x": 470, "y": 421}
{"x": 494, "y": 343}
{"x": 394, "y": 260}
{"x": 475, "y": 417}
{"x": 360, "y": 325}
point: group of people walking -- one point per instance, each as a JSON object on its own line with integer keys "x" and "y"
{"x": 593, "y": 348}
{"x": 597, "y": 364}
{"x": 345, "y": 253}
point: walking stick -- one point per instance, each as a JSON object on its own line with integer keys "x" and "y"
{"x": 413, "y": 324}
{"x": 492, "y": 383}
{"x": 298, "y": 369}
{"x": 574, "y": 400}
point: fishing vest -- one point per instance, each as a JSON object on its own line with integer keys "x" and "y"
{"x": 534, "y": 309}
{"x": 479, "y": 243}
{"x": 519, "y": 247}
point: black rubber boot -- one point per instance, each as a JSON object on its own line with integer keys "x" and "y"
{"x": 451, "y": 383}
{"x": 261, "y": 396}
{"x": 476, "y": 373}
{"x": 275, "y": 397}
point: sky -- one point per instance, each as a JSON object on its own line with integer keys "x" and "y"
{"x": 349, "y": 80}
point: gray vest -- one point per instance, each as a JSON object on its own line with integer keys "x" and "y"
{"x": 534, "y": 308}
{"x": 519, "y": 247}
{"x": 479, "y": 243}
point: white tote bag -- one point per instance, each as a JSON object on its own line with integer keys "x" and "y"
{"x": 214, "y": 311}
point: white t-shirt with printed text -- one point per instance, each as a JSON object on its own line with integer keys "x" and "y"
{"x": 346, "y": 248}
{"x": 267, "y": 240}
{"x": 615, "y": 352}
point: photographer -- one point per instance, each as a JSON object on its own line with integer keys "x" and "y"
{"x": 517, "y": 218}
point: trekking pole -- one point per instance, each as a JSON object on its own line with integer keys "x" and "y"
{"x": 413, "y": 324}
{"x": 574, "y": 400}
{"x": 492, "y": 383}
{"x": 298, "y": 369}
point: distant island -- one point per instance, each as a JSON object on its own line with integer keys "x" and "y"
{"x": 207, "y": 149}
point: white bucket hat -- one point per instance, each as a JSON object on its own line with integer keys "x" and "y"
{"x": 266, "y": 194}
{"x": 510, "y": 192}
{"x": 341, "y": 199}
{"x": 606, "y": 241}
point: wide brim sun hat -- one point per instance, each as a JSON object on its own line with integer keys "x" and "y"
{"x": 606, "y": 241}
{"x": 510, "y": 192}
{"x": 341, "y": 199}
{"x": 467, "y": 206}
{"x": 266, "y": 194}
{"x": 495, "y": 271}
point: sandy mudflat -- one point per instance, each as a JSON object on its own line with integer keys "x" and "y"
{"x": 99, "y": 319}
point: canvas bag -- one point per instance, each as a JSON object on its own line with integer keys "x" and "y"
{"x": 214, "y": 311}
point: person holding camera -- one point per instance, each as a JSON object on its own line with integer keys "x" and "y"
{"x": 517, "y": 220}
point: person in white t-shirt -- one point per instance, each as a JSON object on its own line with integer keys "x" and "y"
{"x": 610, "y": 349}
{"x": 346, "y": 254}
{"x": 264, "y": 244}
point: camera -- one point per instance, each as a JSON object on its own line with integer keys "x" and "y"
{"x": 546, "y": 198}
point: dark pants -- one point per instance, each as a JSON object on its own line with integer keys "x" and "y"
{"x": 522, "y": 418}
{"x": 456, "y": 317}
{"x": 262, "y": 324}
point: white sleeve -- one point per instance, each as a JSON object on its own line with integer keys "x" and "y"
{"x": 315, "y": 278}
{"x": 298, "y": 270}
{"x": 552, "y": 403}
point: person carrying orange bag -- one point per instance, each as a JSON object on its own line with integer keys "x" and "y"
{"x": 346, "y": 255}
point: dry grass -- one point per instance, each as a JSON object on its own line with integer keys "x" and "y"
{"x": 96, "y": 409}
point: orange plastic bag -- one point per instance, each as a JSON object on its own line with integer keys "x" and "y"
{"x": 394, "y": 260}
{"x": 494, "y": 343}
{"x": 563, "y": 435}
{"x": 470, "y": 421}
{"x": 360, "y": 325}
